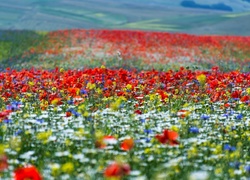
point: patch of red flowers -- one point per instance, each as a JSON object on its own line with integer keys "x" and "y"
{"x": 3, "y": 162}
{"x": 127, "y": 144}
{"x": 151, "y": 47}
{"x": 117, "y": 170}
{"x": 29, "y": 172}
{"x": 168, "y": 137}
{"x": 52, "y": 87}
{"x": 4, "y": 114}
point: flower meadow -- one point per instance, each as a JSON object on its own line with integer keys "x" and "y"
{"x": 143, "y": 50}
{"x": 124, "y": 124}
{"x": 118, "y": 121}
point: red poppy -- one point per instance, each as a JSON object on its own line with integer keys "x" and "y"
{"x": 113, "y": 170}
{"x": 5, "y": 114}
{"x": 29, "y": 172}
{"x": 215, "y": 96}
{"x": 68, "y": 114}
{"x": 236, "y": 94}
{"x": 168, "y": 136}
{"x": 3, "y": 162}
{"x": 245, "y": 98}
{"x": 73, "y": 91}
{"x": 138, "y": 111}
{"x": 127, "y": 144}
{"x": 117, "y": 170}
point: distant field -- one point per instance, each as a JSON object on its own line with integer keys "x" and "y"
{"x": 147, "y": 15}
{"x": 151, "y": 24}
{"x": 93, "y": 48}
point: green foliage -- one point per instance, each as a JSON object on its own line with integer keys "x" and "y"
{"x": 14, "y": 43}
{"x": 4, "y": 49}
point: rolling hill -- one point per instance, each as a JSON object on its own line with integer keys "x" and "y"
{"x": 206, "y": 17}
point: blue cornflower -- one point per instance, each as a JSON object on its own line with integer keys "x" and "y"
{"x": 196, "y": 81}
{"x": 228, "y": 147}
{"x": 194, "y": 130}
{"x": 75, "y": 113}
{"x": 143, "y": 120}
{"x": 247, "y": 168}
{"x": 148, "y": 140}
{"x": 148, "y": 131}
{"x": 7, "y": 121}
{"x": 70, "y": 102}
{"x": 40, "y": 120}
{"x": 204, "y": 117}
{"x": 18, "y": 132}
{"x": 83, "y": 91}
{"x": 225, "y": 115}
{"x": 239, "y": 116}
{"x": 13, "y": 106}
{"x": 16, "y": 103}
{"x": 235, "y": 164}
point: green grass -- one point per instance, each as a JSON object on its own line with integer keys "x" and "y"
{"x": 14, "y": 43}
{"x": 108, "y": 18}
{"x": 154, "y": 24}
{"x": 4, "y": 47}
{"x": 176, "y": 23}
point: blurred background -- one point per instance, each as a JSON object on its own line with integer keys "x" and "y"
{"x": 226, "y": 17}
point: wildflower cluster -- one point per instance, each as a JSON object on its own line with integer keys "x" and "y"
{"x": 125, "y": 48}
{"x": 104, "y": 123}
